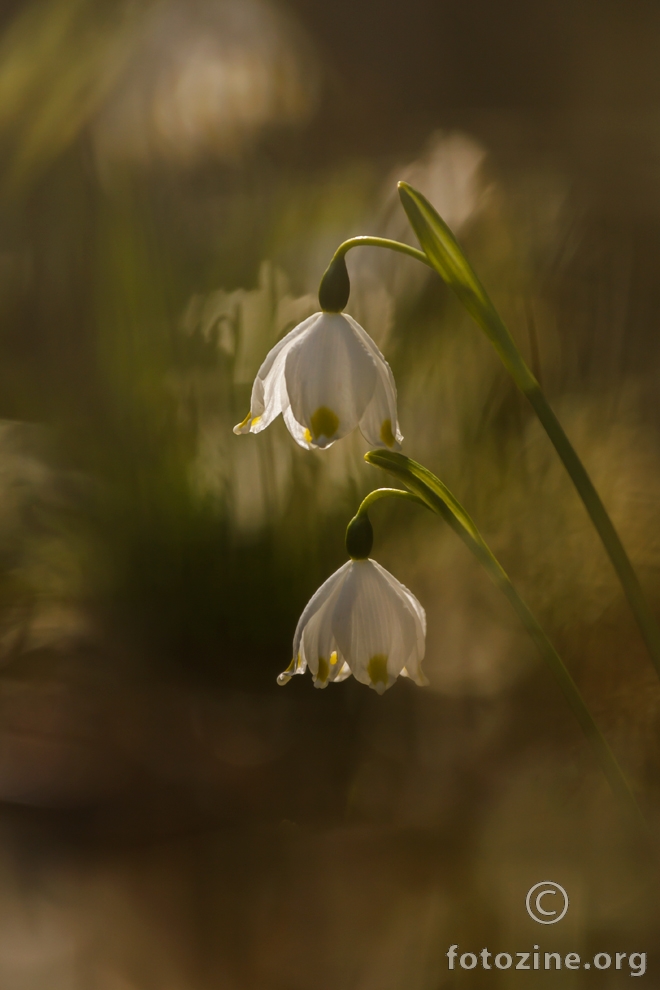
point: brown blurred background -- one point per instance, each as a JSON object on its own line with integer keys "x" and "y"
{"x": 174, "y": 177}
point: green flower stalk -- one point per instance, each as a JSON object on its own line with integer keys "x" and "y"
{"x": 335, "y": 285}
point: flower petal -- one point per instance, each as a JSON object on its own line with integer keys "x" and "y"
{"x": 409, "y": 601}
{"x": 343, "y": 671}
{"x": 413, "y": 670}
{"x": 316, "y": 601}
{"x": 413, "y": 667}
{"x": 298, "y": 432}
{"x": 373, "y": 627}
{"x": 268, "y": 394}
{"x": 379, "y": 424}
{"x": 318, "y": 648}
{"x": 330, "y": 379}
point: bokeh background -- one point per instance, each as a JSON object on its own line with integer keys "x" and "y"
{"x": 174, "y": 177}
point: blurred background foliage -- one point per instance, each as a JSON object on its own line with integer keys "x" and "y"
{"x": 174, "y": 177}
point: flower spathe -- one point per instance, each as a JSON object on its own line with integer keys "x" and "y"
{"x": 326, "y": 376}
{"x": 361, "y": 621}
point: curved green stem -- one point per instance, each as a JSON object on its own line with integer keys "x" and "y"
{"x": 379, "y": 493}
{"x": 437, "y": 497}
{"x": 447, "y": 258}
{"x": 359, "y": 532}
{"x": 381, "y": 242}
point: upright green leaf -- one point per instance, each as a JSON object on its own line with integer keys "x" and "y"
{"x": 445, "y": 254}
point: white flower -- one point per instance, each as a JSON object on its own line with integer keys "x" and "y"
{"x": 361, "y": 621}
{"x": 326, "y": 377}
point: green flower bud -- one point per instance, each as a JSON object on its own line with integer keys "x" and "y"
{"x": 359, "y": 537}
{"x": 335, "y": 287}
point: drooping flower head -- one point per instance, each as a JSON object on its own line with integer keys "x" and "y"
{"x": 326, "y": 376}
{"x": 361, "y": 621}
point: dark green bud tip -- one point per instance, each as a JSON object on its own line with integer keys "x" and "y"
{"x": 359, "y": 537}
{"x": 335, "y": 287}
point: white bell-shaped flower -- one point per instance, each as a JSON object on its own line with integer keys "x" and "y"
{"x": 361, "y": 621}
{"x": 326, "y": 376}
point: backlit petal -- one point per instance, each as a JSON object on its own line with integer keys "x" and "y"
{"x": 330, "y": 379}
{"x": 379, "y": 424}
{"x": 317, "y": 601}
{"x": 318, "y": 647}
{"x": 374, "y": 628}
{"x": 343, "y": 671}
{"x": 414, "y": 659}
{"x": 410, "y": 602}
{"x": 297, "y": 431}
{"x": 267, "y": 398}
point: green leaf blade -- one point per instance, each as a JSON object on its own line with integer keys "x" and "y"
{"x": 447, "y": 258}
{"x": 441, "y": 247}
{"x": 426, "y": 486}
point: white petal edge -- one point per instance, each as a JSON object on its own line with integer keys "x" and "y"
{"x": 318, "y": 599}
{"x": 297, "y": 431}
{"x": 266, "y": 401}
{"x": 383, "y": 405}
{"x": 413, "y": 663}
{"x": 318, "y": 649}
